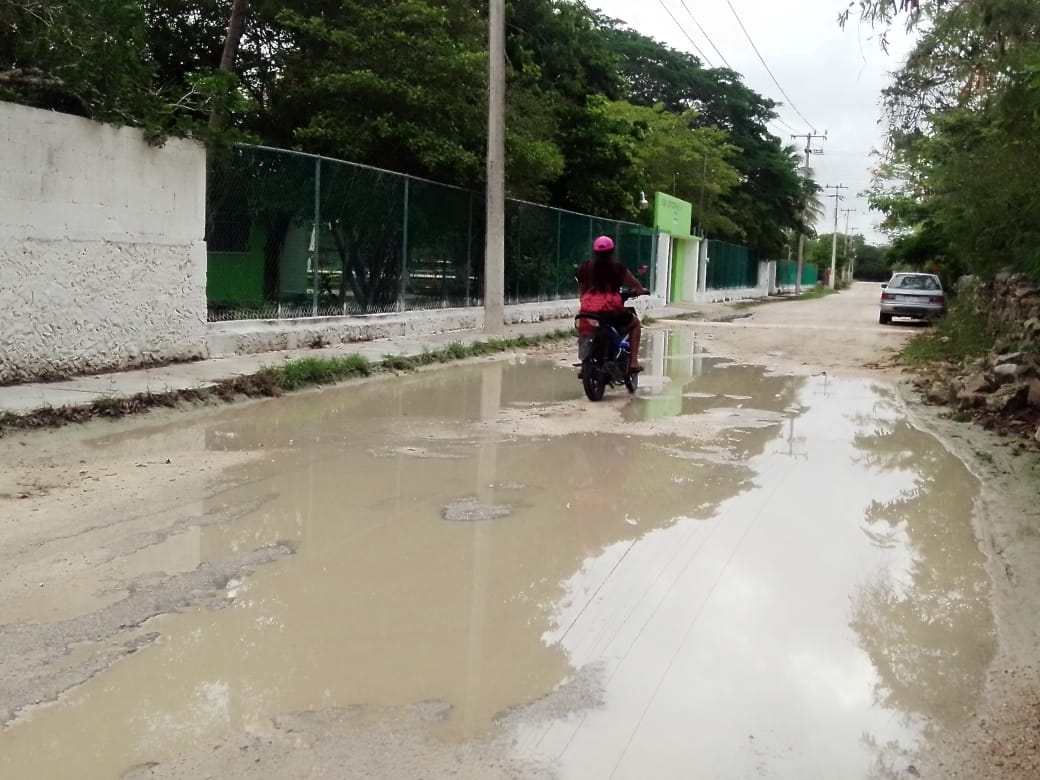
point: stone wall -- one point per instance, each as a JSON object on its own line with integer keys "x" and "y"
{"x": 1005, "y": 383}
{"x": 1013, "y": 298}
{"x": 102, "y": 252}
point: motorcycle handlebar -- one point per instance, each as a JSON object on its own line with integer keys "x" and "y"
{"x": 627, "y": 294}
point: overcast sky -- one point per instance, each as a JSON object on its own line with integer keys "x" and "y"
{"x": 833, "y": 77}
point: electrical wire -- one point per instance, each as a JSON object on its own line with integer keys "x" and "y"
{"x": 764, "y": 65}
{"x": 705, "y": 34}
{"x": 780, "y": 121}
{"x": 700, "y": 52}
{"x": 682, "y": 29}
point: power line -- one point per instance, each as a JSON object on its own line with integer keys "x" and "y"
{"x": 705, "y": 34}
{"x": 683, "y": 31}
{"x": 764, "y": 65}
{"x": 722, "y": 56}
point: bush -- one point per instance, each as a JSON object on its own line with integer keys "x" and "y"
{"x": 964, "y": 333}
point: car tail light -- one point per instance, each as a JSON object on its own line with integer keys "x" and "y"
{"x": 887, "y": 297}
{"x": 937, "y": 299}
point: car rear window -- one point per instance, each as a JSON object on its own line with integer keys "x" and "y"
{"x": 915, "y": 283}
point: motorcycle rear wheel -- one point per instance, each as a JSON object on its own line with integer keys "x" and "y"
{"x": 593, "y": 380}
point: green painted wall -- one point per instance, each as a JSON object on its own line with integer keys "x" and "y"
{"x": 671, "y": 215}
{"x": 678, "y": 269}
{"x": 237, "y": 277}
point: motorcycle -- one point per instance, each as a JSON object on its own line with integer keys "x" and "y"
{"x": 605, "y": 354}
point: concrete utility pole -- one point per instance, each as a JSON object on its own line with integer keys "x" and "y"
{"x": 700, "y": 211}
{"x": 852, "y": 257}
{"x": 846, "y": 212}
{"x": 809, "y": 151}
{"x": 495, "y": 235}
{"x": 838, "y": 197}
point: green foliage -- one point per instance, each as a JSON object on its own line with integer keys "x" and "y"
{"x": 64, "y": 56}
{"x": 770, "y": 198}
{"x": 61, "y": 55}
{"x": 306, "y": 372}
{"x": 400, "y": 363}
{"x": 596, "y": 113}
{"x": 319, "y": 371}
{"x": 964, "y": 333}
{"x": 670, "y": 143}
{"x": 818, "y": 291}
{"x": 959, "y": 193}
{"x": 600, "y": 176}
{"x": 818, "y": 251}
{"x": 769, "y": 194}
{"x": 400, "y": 82}
{"x": 873, "y": 263}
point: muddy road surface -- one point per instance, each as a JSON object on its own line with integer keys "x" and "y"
{"x": 760, "y": 565}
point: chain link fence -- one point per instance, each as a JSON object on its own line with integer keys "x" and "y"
{"x": 294, "y": 235}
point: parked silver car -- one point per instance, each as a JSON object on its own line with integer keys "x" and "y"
{"x": 919, "y": 296}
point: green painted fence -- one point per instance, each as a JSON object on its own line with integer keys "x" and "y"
{"x": 787, "y": 273}
{"x": 730, "y": 267}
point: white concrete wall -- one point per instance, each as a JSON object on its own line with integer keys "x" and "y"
{"x": 691, "y": 270}
{"x": 254, "y": 336}
{"x": 102, "y": 252}
{"x": 766, "y": 276}
{"x": 663, "y": 265}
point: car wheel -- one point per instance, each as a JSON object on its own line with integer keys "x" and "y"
{"x": 884, "y": 319}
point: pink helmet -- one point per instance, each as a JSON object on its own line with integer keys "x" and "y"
{"x": 603, "y": 244}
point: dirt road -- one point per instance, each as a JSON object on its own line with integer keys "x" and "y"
{"x": 759, "y": 566}
{"x": 838, "y": 333}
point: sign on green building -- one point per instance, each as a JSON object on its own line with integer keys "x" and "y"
{"x": 672, "y": 216}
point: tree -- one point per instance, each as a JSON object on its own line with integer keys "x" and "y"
{"x": 768, "y": 198}
{"x": 819, "y": 250}
{"x": 812, "y": 209}
{"x": 401, "y": 84}
{"x": 61, "y": 55}
{"x": 236, "y": 27}
{"x": 65, "y": 56}
{"x": 872, "y": 263}
{"x": 674, "y": 154}
{"x": 957, "y": 190}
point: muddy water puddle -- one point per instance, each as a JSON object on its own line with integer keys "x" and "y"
{"x": 732, "y": 574}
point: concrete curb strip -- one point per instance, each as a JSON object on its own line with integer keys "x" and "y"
{"x": 408, "y": 334}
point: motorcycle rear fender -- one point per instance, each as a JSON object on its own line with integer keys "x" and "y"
{"x": 585, "y": 344}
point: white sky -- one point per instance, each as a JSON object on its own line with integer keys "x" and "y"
{"x": 834, "y": 76}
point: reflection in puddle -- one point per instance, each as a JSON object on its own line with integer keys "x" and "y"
{"x": 794, "y": 593}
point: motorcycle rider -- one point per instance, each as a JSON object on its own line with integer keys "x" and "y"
{"x": 599, "y": 284}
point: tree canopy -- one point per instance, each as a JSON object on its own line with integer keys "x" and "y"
{"x": 957, "y": 190}
{"x": 597, "y": 112}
